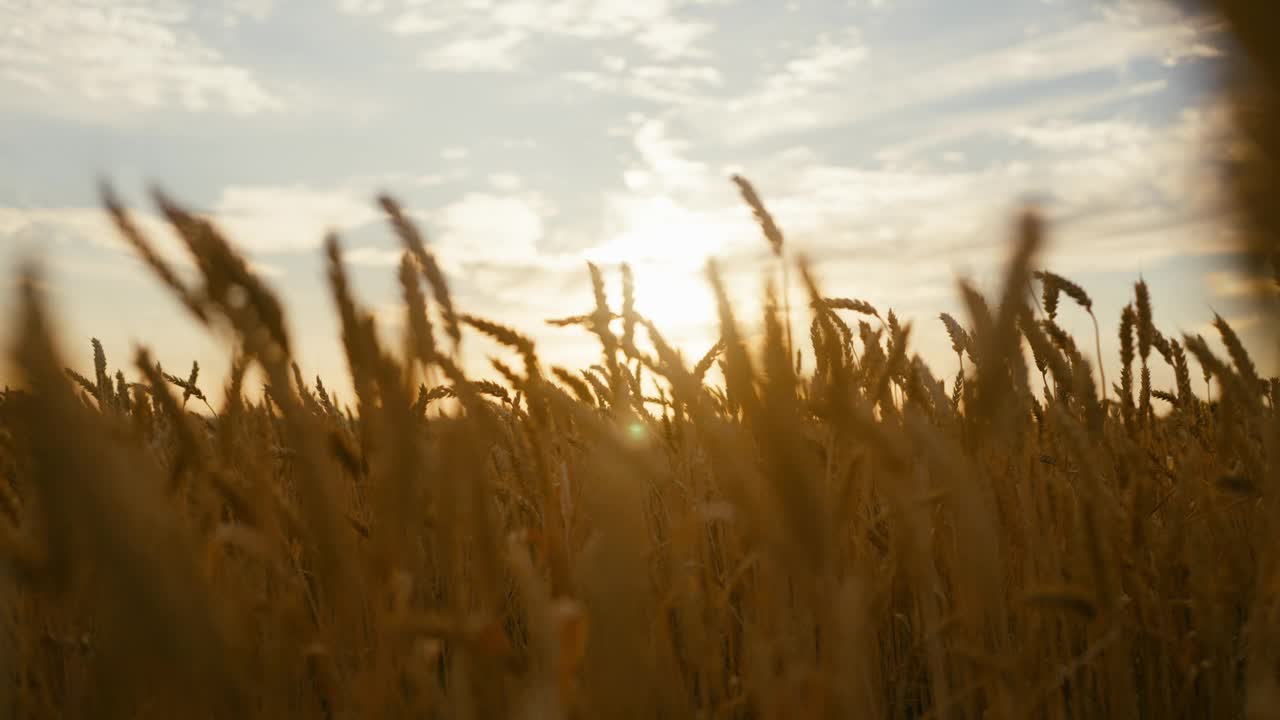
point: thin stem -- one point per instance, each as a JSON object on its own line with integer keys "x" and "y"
{"x": 1097, "y": 346}
{"x": 786, "y": 303}
{"x": 1035, "y": 298}
{"x": 206, "y": 404}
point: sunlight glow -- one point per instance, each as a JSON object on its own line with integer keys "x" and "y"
{"x": 668, "y": 246}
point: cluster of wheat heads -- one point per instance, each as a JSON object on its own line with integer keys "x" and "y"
{"x": 630, "y": 540}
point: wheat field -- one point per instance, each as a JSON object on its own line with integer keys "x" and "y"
{"x": 817, "y": 525}
{"x": 632, "y": 540}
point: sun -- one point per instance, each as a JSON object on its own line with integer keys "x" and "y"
{"x": 676, "y": 299}
{"x": 667, "y": 245}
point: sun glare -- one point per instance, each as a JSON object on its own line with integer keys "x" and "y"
{"x": 668, "y": 245}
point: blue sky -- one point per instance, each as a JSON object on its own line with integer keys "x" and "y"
{"x": 891, "y": 139}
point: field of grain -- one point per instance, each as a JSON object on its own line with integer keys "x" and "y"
{"x": 873, "y": 538}
{"x": 817, "y": 525}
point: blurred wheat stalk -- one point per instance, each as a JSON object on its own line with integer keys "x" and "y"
{"x": 1253, "y": 162}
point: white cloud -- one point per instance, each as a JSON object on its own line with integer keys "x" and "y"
{"x": 664, "y": 158}
{"x": 68, "y": 54}
{"x": 496, "y": 36}
{"x": 415, "y": 22}
{"x": 487, "y": 227}
{"x": 1124, "y": 195}
{"x": 667, "y": 84}
{"x": 1231, "y": 284}
{"x": 1109, "y": 42}
{"x": 494, "y": 52}
{"x": 822, "y": 64}
{"x": 670, "y": 38}
{"x": 1065, "y": 136}
{"x": 362, "y": 7}
{"x": 266, "y": 221}
{"x": 961, "y": 126}
{"x": 1106, "y": 41}
{"x": 33, "y": 229}
{"x": 261, "y": 220}
{"x": 267, "y": 270}
{"x": 256, "y": 10}
{"x": 270, "y": 218}
{"x": 890, "y": 214}
{"x": 372, "y": 257}
{"x": 1239, "y": 323}
{"x": 505, "y": 181}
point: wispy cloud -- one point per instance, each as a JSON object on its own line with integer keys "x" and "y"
{"x": 1120, "y": 194}
{"x": 499, "y": 36}
{"x": 665, "y": 84}
{"x": 36, "y": 230}
{"x": 256, "y": 10}
{"x": 491, "y": 52}
{"x": 1238, "y": 285}
{"x": 1066, "y": 136}
{"x": 889, "y": 145}
{"x": 820, "y": 66}
{"x": 488, "y": 226}
{"x": 815, "y": 90}
{"x": 100, "y": 57}
{"x": 372, "y": 257}
{"x": 262, "y": 220}
{"x": 267, "y": 219}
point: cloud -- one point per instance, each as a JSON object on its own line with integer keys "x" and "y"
{"x": 372, "y": 256}
{"x": 670, "y": 38}
{"x": 283, "y": 218}
{"x": 496, "y": 52}
{"x": 1067, "y": 136}
{"x": 805, "y": 97}
{"x": 416, "y": 22}
{"x": 267, "y": 270}
{"x": 822, "y": 65}
{"x": 1119, "y": 194}
{"x": 505, "y": 181}
{"x": 256, "y": 10}
{"x": 35, "y": 230}
{"x": 893, "y": 165}
{"x": 486, "y": 226}
{"x": 663, "y": 159}
{"x": 1109, "y": 41}
{"x": 925, "y": 133}
{"x": 1239, "y": 323}
{"x": 1237, "y": 285}
{"x": 75, "y": 54}
{"x": 268, "y": 221}
{"x": 497, "y": 37}
{"x": 362, "y": 7}
{"x": 665, "y": 84}
{"x": 260, "y": 220}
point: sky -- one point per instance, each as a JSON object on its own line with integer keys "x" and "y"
{"x": 892, "y": 140}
